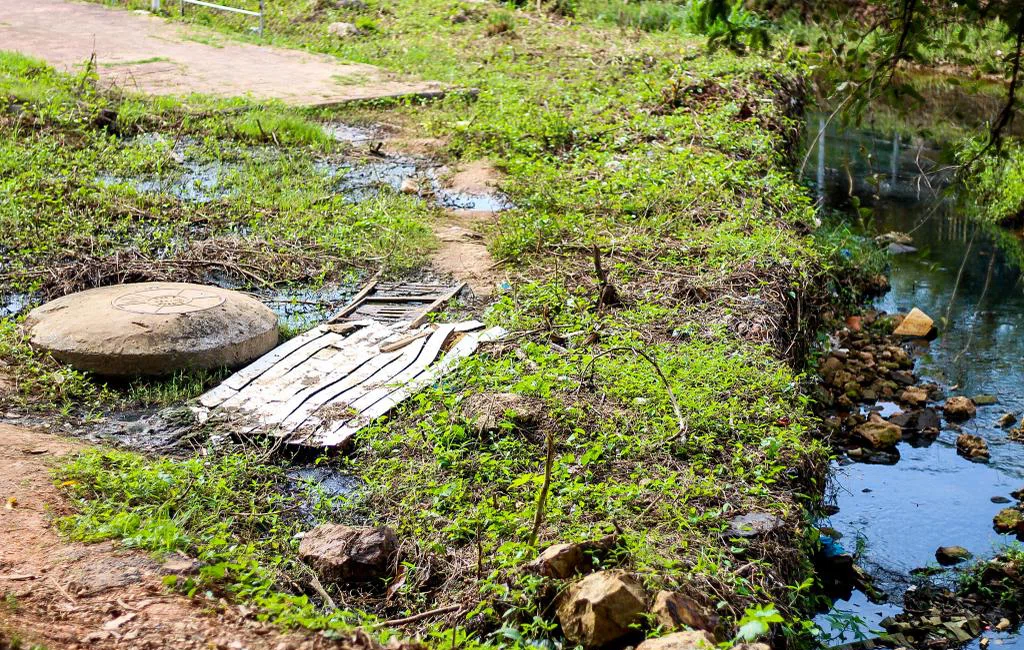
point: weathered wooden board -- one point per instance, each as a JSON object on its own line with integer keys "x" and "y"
{"x": 397, "y": 302}
{"x": 322, "y": 387}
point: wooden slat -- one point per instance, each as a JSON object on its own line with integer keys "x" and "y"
{"x": 430, "y": 349}
{"x": 265, "y": 382}
{"x": 341, "y": 433}
{"x": 351, "y": 388}
{"x": 286, "y": 377}
{"x": 243, "y": 377}
{"x": 422, "y": 318}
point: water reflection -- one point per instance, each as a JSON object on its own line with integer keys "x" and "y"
{"x": 968, "y": 278}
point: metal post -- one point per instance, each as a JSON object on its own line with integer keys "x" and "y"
{"x": 154, "y": 6}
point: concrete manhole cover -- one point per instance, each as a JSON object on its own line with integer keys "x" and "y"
{"x": 167, "y": 301}
{"x": 153, "y": 328}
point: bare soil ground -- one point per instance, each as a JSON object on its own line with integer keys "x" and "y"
{"x": 144, "y": 53}
{"x": 68, "y": 595}
{"x": 462, "y": 251}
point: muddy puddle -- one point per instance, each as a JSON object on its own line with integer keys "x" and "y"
{"x": 357, "y": 178}
{"x": 894, "y": 517}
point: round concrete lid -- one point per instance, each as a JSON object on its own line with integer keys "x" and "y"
{"x": 153, "y": 328}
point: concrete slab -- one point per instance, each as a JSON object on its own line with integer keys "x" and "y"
{"x": 141, "y": 52}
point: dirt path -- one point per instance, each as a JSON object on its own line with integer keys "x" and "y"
{"x": 462, "y": 249}
{"x": 141, "y": 52}
{"x": 69, "y": 595}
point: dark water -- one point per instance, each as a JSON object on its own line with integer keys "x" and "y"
{"x": 969, "y": 280}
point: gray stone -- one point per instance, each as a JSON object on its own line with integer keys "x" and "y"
{"x": 673, "y": 610}
{"x": 754, "y": 524}
{"x": 342, "y": 30}
{"x": 349, "y": 554}
{"x": 152, "y": 328}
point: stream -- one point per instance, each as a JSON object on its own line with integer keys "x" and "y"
{"x": 969, "y": 280}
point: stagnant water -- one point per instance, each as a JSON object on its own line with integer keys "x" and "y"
{"x": 969, "y": 280}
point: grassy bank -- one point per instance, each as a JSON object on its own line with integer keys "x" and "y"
{"x": 668, "y": 411}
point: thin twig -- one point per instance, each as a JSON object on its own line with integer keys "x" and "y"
{"x": 422, "y": 615}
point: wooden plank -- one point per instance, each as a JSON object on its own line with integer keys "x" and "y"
{"x": 243, "y": 377}
{"x": 342, "y": 433}
{"x": 429, "y": 351}
{"x": 351, "y": 388}
{"x": 294, "y": 369}
{"x": 295, "y": 412}
{"x": 266, "y": 380}
{"x": 434, "y": 305}
{"x": 356, "y": 300}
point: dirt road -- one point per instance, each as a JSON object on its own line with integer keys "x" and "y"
{"x": 141, "y": 52}
{"x": 68, "y": 595}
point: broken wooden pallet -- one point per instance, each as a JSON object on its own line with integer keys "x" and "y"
{"x": 320, "y": 388}
{"x": 396, "y": 302}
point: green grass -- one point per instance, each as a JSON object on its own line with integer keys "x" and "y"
{"x": 675, "y": 164}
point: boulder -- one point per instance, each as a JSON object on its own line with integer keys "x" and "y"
{"x": 691, "y": 640}
{"x": 878, "y": 433}
{"x": 985, "y": 399}
{"x": 341, "y": 553}
{"x": 601, "y": 608}
{"x": 343, "y": 30}
{"x": 152, "y": 328}
{"x": 1007, "y": 420}
{"x": 950, "y": 555}
{"x": 1009, "y": 520}
{"x": 958, "y": 409}
{"x": 673, "y": 610}
{"x": 972, "y": 447}
{"x": 915, "y": 324}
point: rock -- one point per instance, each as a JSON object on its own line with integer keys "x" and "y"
{"x": 854, "y": 323}
{"x": 152, "y": 328}
{"x": 900, "y": 249}
{"x": 915, "y": 324}
{"x": 894, "y": 237}
{"x": 349, "y": 554}
{"x": 179, "y": 564}
{"x": 343, "y": 30}
{"x": 753, "y": 524}
{"x": 1000, "y": 499}
{"x": 409, "y": 186}
{"x": 1009, "y": 520}
{"x": 487, "y": 411}
{"x": 673, "y": 610}
{"x": 903, "y": 377}
{"x": 958, "y": 409}
{"x": 928, "y": 422}
{"x": 1003, "y": 625}
{"x": 600, "y": 608}
{"x": 972, "y": 447}
{"x": 985, "y": 400}
{"x": 1007, "y": 420}
{"x": 879, "y": 434}
{"x": 692, "y": 640}
{"x": 352, "y": 5}
{"x": 558, "y": 561}
{"x": 915, "y": 396}
{"x": 566, "y": 560}
{"x": 950, "y": 555}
